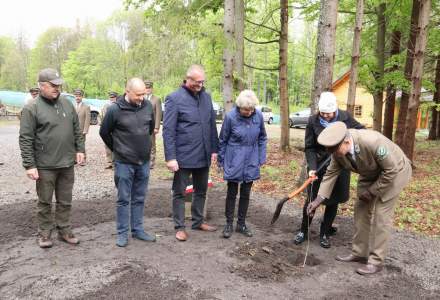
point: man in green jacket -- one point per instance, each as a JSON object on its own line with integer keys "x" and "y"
{"x": 50, "y": 143}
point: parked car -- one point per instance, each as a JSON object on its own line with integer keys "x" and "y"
{"x": 14, "y": 102}
{"x": 267, "y": 113}
{"x": 299, "y": 119}
{"x": 218, "y": 111}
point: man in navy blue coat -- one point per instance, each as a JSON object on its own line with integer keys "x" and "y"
{"x": 190, "y": 143}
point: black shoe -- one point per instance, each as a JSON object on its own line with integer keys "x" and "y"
{"x": 332, "y": 231}
{"x": 324, "y": 242}
{"x": 227, "y": 232}
{"x": 243, "y": 229}
{"x": 300, "y": 238}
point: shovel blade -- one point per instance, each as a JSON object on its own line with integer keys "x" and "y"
{"x": 278, "y": 209}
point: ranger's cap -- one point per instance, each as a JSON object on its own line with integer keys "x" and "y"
{"x": 112, "y": 94}
{"x": 50, "y": 75}
{"x": 78, "y": 92}
{"x": 333, "y": 135}
{"x": 148, "y": 84}
{"x": 34, "y": 90}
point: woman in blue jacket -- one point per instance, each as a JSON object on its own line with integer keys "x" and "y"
{"x": 242, "y": 152}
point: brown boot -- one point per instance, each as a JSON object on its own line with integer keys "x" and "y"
{"x": 207, "y": 227}
{"x": 68, "y": 238}
{"x": 351, "y": 258}
{"x": 181, "y": 235}
{"x": 369, "y": 269}
{"x": 44, "y": 241}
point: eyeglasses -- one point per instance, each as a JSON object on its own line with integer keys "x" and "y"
{"x": 199, "y": 82}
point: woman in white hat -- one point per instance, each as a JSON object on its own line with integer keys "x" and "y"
{"x": 316, "y": 154}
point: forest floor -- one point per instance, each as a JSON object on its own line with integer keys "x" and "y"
{"x": 266, "y": 266}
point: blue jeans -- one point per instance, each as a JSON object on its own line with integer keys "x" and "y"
{"x": 131, "y": 182}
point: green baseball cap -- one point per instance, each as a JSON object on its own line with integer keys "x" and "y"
{"x": 50, "y": 75}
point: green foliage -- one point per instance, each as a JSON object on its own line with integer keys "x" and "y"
{"x": 13, "y": 63}
{"x": 94, "y": 67}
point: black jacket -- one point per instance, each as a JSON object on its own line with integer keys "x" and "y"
{"x": 316, "y": 154}
{"x": 126, "y": 130}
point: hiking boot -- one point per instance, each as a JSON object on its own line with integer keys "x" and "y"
{"x": 227, "y": 232}
{"x": 68, "y": 238}
{"x": 121, "y": 240}
{"x": 300, "y": 238}
{"x": 44, "y": 241}
{"x": 243, "y": 229}
{"x": 143, "y": 236}
{"x": 324, "y": 242}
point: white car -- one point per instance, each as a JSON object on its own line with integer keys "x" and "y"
{"x": 267, "y": 113}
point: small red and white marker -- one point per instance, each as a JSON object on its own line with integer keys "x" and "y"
{"x": 189, "y": 189}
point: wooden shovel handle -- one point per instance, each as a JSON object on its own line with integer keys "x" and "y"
{"x": 302, "y": 187}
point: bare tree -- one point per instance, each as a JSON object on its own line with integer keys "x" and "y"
{"x": 284, "y": 95}
{"x": 413, "y": 32}
{"x": 378, "y": 76}
{"x": 239, "y": 45}
{"x": 435, "y": 124}
{"x": 416, "y": 79}
{"x": 351, "y": 99}
{"x": 228, "y": 55}
{"x": 325, "y": 50}
{"x": 390, "y": 100}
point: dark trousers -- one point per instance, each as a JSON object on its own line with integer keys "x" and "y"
{"x": 243, "y": 203}
{"x": 200, "y": 184}
{"x": 58, "y": 181}
{"x": 329, "y": 213}
{"x": 327, "y": 222}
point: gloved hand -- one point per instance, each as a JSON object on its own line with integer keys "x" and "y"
{"x": 314, "y": 205}
{"x": 366, "y": 196}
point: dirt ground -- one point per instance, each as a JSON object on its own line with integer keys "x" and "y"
{"x": 266, "y": 266}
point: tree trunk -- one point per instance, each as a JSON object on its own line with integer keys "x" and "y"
{"x": 403, "y": 109}
{"x": 380, "y": 55}
{"x": 390, "y": 100}
{"x": 351, "y": 99}
{"x": 239, "y": 45}
{"x": 325, "y": 51}
{"x": 228, "y": 55}
{"x": 434, "y": 113}
{"x": 416, "y": 79}
{"x": 284, "y": 95}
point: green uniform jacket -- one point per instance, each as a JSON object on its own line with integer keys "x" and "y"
{"x": 49, "y": 134}
{"x": 382, "y": 166}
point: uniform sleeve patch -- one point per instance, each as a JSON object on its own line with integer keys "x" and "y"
{"x": 381, "y": 152}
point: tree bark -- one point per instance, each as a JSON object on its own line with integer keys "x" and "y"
{"x": 403, "y": 109}
{"x": 351, "y": 99}
{"x": 325, "y": 51}
{"x": 416, "y": 79}
{"x": 390, "y": 100}
{"x": 284, "y": 95}
{"x": 239, "y": 45}
{"x": 380, "y": 55}
{"x": 228, "y": 55}
{"x": 436, "y": 99}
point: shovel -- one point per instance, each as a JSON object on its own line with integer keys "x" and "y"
{"x": 280, "y": 204}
